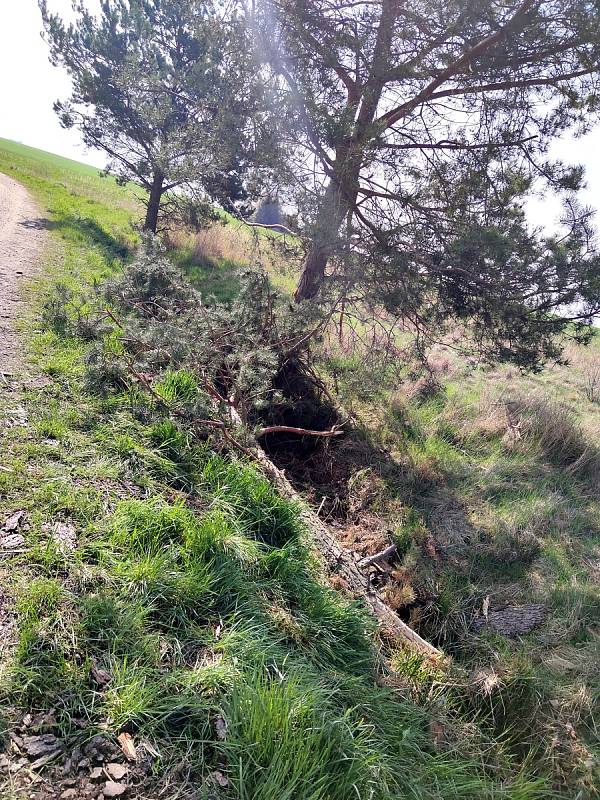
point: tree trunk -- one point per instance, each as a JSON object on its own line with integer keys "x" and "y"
{"x": 313, "y": 272}
{"x": 334, "y": 207}
{"x": 342, "y": 190}
{"x": 339, "y": 562}
{"x": 156, "y": 193}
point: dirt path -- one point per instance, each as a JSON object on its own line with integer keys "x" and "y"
{"x": 22, "y": 236}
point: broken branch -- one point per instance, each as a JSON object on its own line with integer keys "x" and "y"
{"x": 388, "y": 552}
{"x": 299, "y": 431}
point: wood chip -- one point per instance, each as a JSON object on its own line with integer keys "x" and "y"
{"x": 149, "y": 748}
{"x": 127, "y": 746}
{"x": 99, "y": 676}
{"x": 39, "y": 745}
{"x": 513, "y": 620}
{"x": 113, "y": 789}
{"x": 45, "y": 759}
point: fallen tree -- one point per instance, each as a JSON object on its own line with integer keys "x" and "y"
{"x": 339, "y": 562}
{"x": 215, "y": 368}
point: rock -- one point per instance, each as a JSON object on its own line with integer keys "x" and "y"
{"x": 96, "y": 773}
{"x": 64, "y": 536}
{"x": 221, "y": 728}
{"x": 116, "y": 771}
{"x": 114, "y": 789}
{"x": 220, "y": 779}
{"x": 68, "y": 794}
{"x": 11, "y": 541}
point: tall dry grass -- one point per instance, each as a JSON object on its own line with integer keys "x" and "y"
{"x": 237, "y": 245}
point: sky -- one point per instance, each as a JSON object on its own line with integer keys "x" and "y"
{"x": 30, "y": 85}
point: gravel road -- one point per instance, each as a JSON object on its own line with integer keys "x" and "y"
{"x": 22, "y": 236}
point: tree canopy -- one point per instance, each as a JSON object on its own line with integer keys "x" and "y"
{"x": 417, "y": 132}
{"x": 406, "y": 138}
{"x": 162, "y": 88}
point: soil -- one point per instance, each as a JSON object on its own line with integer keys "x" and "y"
{"x": 22, "y": 238}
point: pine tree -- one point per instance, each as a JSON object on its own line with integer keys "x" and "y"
{"x": 155, "y": 86}
{"x": 423, "y": 126}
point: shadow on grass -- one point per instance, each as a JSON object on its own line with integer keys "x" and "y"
{"x": 82, "y": 230}
{"x": 213, "y": 278}
{"x": 524, "y": 512}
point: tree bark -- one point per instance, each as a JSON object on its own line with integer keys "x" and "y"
{"x": 313, "y": 272}
{"x": 340, "y": 563}
{"x": 334, "y": 207}
{"x": 156, "y": 193}
{"x": 342, "y": 191}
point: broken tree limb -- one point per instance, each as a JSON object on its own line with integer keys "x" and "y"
{"x": 300, "y": 431}
{"x": 376, "y": 557}
{"x": 339, "y": 562}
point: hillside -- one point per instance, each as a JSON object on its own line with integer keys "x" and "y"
{"x": 165, "y": 597}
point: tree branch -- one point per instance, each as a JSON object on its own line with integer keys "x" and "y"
{"x": 515, "y": 84}
{"x": 391, "y": 117}
{"x": 388, "y": 552}
{"x": 453, "y": 145}
{"x": 335, "y": 431}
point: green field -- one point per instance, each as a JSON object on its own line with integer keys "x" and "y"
{"x": 191, "y": 585}
{"x": 22, "y": 154}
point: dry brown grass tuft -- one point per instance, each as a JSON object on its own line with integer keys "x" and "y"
{"x": 552, "y": 428}
{"x": 239, "y": 245}
{"x": 591, "y": 382}
{"x": 221, "y": 243}
{"x": 424, "y": 388}
{"x": 399, "y": 595}
{"x": 534, "y": 420}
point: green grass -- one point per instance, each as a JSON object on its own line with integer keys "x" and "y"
{"x": 23, "y": 153}
{"x": 511, "y": 518}
{"x": 192, "y": 583}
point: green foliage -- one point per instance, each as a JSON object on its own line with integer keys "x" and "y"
{"x": 205, "y": 607}
{"x": 287, "y": 747}
{"x": 419, "y": 211}
{"x": 202, "y": 357}
{"x": 157, "y": 86}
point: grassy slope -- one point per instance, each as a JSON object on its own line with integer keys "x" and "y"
{"x": 188, "y": 582}
{"x": 489, "y": 515}
{"x": 504, "y": 516}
